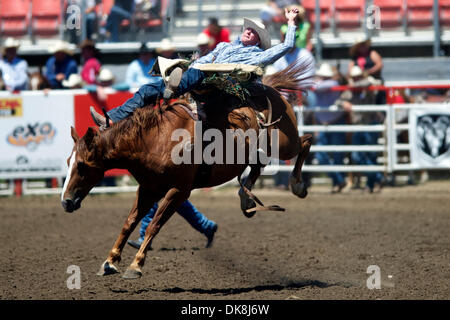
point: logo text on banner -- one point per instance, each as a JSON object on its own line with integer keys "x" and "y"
{"x": 11, "y": 107}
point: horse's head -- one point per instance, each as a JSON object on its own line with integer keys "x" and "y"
{"x": 85, "y": 170}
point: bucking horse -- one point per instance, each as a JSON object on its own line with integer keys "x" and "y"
{"x": 143, "y": 144}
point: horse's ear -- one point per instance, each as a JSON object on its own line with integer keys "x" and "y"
{"x": 89, "y": 136}
{"x": 74, "y": 134}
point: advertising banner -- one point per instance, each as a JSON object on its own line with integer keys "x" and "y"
{"x": 35, "y": 138}
{"x": 430, "y": 137}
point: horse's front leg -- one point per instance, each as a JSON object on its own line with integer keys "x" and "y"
{"x": 298, "y": 187}
{"x": 140, "y": 208}
{"x": 171, "y": 202}
{"x": 249, "y": 182}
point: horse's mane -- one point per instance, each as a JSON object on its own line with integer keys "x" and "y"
{"x": 142, "y": 119}
{"x": 293, "y": 77}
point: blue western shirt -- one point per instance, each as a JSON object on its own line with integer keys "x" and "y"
{"x": 236, "y": 52}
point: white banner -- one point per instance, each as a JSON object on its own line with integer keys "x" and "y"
{"x": 430, "y": 137}
{"x": 35, "y": 136}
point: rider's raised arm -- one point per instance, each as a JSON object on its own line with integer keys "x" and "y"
{"x": 271, "y": 55}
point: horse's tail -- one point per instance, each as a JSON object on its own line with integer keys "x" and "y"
{"x": 296, "y": 76}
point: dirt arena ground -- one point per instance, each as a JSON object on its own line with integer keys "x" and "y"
{"x": 320, "y": 248}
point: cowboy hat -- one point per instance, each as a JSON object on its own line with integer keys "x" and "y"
{"x": 73, "y": 81}
{"x": 356, "y": 71}
{"x": 10, "y": 43}
{"x": 325, "y": 70}
{"x": 166, "y": 45}
{"x": 259, "y": 28}
{"x": 105, "y": 75}
{"x": 61, "y": 46}
{"x": 203, "y": 39}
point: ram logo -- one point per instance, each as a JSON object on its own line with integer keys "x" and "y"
{"x": 433, "y": 135}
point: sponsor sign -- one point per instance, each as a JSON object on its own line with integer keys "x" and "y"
{"x": 35, "y": 142}
{"x": 11, "y": 107}
{"x": 430, "y": 137}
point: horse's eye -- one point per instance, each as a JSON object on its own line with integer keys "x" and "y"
{"x": 81, "y": 167}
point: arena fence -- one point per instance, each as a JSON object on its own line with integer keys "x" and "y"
{"x": 35, "y": 139}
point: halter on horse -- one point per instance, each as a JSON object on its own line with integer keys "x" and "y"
{"x": 142, "y": 144}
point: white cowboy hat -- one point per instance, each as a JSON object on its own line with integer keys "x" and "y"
{"x": 166, "y": 45}
{"x": 105, "y": 75}
{"x": 263, "y": 34}
{"x": 73, "y": 81}
{"x": 11, "y": 43}
{"x": 203, "y": 39}
{"x": 61, "y": 46}
{"x": 325, "y": 70}
{"x": 356, "y": 71}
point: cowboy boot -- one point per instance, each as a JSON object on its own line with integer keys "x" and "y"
{"x": 172, "y": 84}
{"x": 99, "y": 120}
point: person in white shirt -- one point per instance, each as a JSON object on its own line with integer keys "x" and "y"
{"x": 138, "y": 71}
{"x": 14, "y": 70}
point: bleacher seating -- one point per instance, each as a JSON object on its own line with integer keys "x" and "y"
{"x": 444, "y": 12}
{"x": 46, "y": 17}
{"x": 14, "y": 19}
{"x": 349, "y": 13}
{"x": 419, "y": 13}
{"x": 391, "y": 13}
{"x": 326, "y": 13}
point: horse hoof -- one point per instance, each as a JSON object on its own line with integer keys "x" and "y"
{"x": 303, "y": 194}
{"x": 299, "y": 189}
{"x": 132, "y": 274}
{"x": 246, "y": 203}
{"x": 107, "y": 269}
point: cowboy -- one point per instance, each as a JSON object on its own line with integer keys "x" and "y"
{"x": 61, "y": 65}
{"x": 13, "y": 70}
{"x": 138, "y": 70}
{"x": 253, "y": 48}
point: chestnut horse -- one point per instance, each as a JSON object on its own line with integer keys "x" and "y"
{"x": 142, "y": 144}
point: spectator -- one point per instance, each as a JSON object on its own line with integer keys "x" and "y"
{"x": 216, "y": 32}
{"x": 148, "y": 9}
{"x": 370, "y": 62}
{"x": 91, "y": 66}
{"x": 138, "y": 70}
{"x": 273, "y": 11}
{"x": 325, "y": 98}
{"x": 303, "y": 32}
{"x": 166, "y": 49}
{"x": 179, "y": 8}
{"x": 90, "y": 16}
{"x": 105, "y": 80}
{"x": 203, "y": 45}
{"x": 121, "y": 10}
{"x": 74, "y": 82}
{"x": 360, "y": 97}
{"x": 13, "y": 70}
{"x": 61, "y": 65}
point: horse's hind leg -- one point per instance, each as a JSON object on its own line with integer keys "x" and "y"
{"x": 172, "y": 201}
{"x": 298, "y": 187}
{"x": 249, "y": 182}
{"x": 140, "y": 208}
